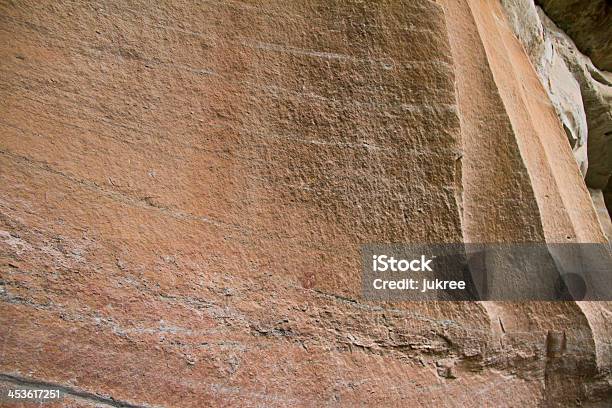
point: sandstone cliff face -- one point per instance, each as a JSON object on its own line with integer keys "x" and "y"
{"x": 186, "y": 187}
{"x": 580, "y": 92}
{"x": 546, "y": 49}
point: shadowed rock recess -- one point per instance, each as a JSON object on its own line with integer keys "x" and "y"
{"x": 185, "y": 188}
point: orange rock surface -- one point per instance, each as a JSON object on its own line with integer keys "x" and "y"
{"x": 185, "y": 188}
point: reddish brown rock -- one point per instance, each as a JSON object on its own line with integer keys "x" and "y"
{"x": 186, "y": 188}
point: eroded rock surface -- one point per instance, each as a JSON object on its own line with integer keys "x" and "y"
{"x": 186, "y": 187}
{"x": 580, "y": 92}
{"x": 589, "y": 23}
{"x": 548, "y": 53}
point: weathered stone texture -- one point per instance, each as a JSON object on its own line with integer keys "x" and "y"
{"x": 589, "y": 23}
{"x": 185, "y": 187}
{"x": 580, "y": 93}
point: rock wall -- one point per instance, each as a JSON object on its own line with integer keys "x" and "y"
{"x": 186, "y": 187}
{"x": 588, "y": 23}
{"x": 580, "y": 92}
